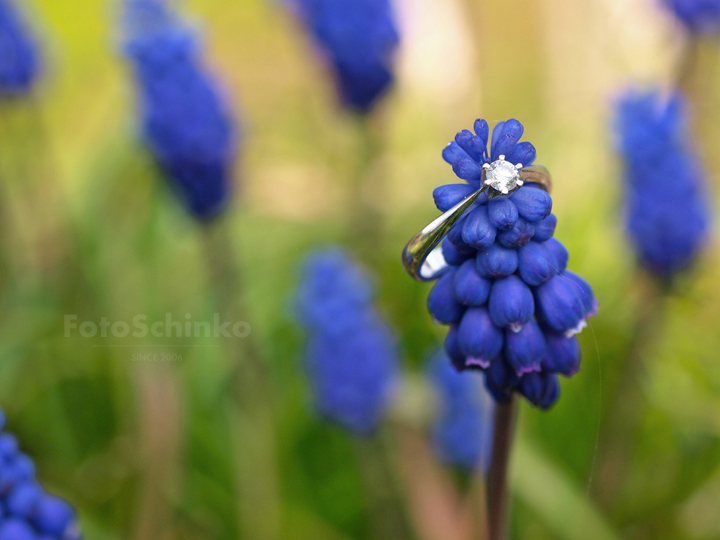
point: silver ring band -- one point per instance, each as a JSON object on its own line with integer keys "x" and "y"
{"x": 422, "y": 256}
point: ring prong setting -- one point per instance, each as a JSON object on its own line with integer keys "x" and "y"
{"x": 502, "y": 176}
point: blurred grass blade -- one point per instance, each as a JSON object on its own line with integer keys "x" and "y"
{"x": 542, "y": 486}
{"x": 699, "y": 516}
{"x": 301, "y": 523}
{"x": 435, "y": 506}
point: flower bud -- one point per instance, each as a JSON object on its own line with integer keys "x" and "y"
{"x": 559, "y": 304}
{"x": 561, "y": 254}
{"x": 8, "y": 446}
{"x": 479, "y": 339}
{"x": 496, "y": 262}
{"x": 449, "y": 195}
{"x": 23, "y": 499}
{"x": 477, "y": 229}
{"x": 500, "y": 379}
{"x": 482, "y": 130}
{"x": 469, "y": 287}
{"x": 441, "y": 303}
{"x": 505, "y": 138}
{"x": 454, "y": 236}
{"x": 536, "y": 264}
{"x": 562, "y": 353}
{"x": 523, "y": 154}
{"x": 53, "y": 516}
{"x": 452, "y": 153}
{"x": 452, "y": 348}
{"x": 467, "y": 169}
{"x": 545, "y": 228}
{"x": 511, "y": 303}
{"x": 518, "y": 235}
{"x": 540, "y": 389}
{"x": 474, "y": 146}
{"x": 533, "y": 203}
{"x": 524, "y": 350}
{"x": 453, "y": 256}
{"x": 585, "y": 292}
{"x": 16, "y": 529}
{"x": 502, "y": 213}
{"x": 552, "y": 393}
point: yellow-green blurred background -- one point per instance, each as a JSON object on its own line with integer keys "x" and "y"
{"x": 153, "y": 450}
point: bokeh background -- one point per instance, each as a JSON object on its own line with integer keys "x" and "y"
{"x": 155, "y": 450}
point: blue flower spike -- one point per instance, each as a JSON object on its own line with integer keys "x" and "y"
{"x": 462, "y": 433}
{"x": 27, "y": 512}
{"x": 667, "y": 215}
{"x": 513, "y": 306}
{"x": 359, "y": 39}
{"x": 699, "y": 16}
{"x": 351, "y": 357}
{"x": 185, "y": 120}
{"x": 20, "y": 62}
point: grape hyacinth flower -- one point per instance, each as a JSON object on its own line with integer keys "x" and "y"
{"x": 700, "y": 16}
{"x": 512, "y": 306}
{"x": 185, "y": 120}
{"x": 359, "y": 39}
{"x": 463, "y": 431}
{"x": 19, "y": 53}
{"x": 667, "y": 216}
{"x": 351, "y": 358}
{"x": 27, "y": 512}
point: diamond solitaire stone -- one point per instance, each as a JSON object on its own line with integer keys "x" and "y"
{"x": 503, "y": 176}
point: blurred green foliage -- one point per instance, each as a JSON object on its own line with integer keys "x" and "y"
{"x": 151, "y": 450}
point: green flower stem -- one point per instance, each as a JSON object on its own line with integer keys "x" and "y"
{"x": 615, "y": 456}
{"x": 160, "y": 446}
{"x": 387, "y": 522}
{"x": 366, "y": 188}
{"x": 22, "y": 189}
{"x": 251, "y": 393}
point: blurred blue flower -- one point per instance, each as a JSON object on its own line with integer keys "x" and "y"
{"x": 700, "y": 16}
{"x": 186, "y": 122}
{"x": 463, "y": 430}
{"x": 19, "y": 53}
{"x": 512, "y": 305}
{"x": 351, "y": 358}
{"x": 26, "y": 510}
{"x": 359, "y": 39}
{"x": 665, "y": 198}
